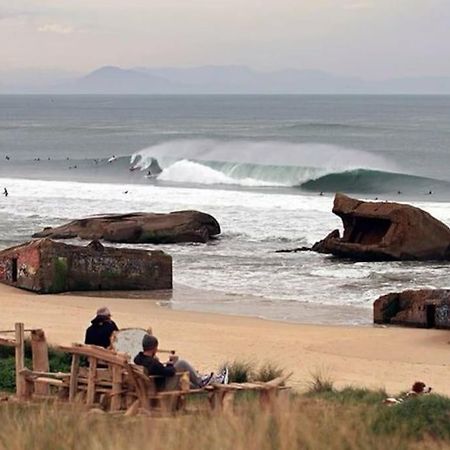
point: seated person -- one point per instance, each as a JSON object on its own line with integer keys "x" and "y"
{"x": 154, "y": 367}
{"x": 101, "y": 329}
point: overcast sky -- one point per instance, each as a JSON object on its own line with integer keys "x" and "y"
{"x": 368, "y": 38}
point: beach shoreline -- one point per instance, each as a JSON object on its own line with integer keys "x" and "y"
{"x": 364, "y": 356}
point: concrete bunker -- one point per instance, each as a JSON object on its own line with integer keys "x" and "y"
{"x": 47, "y": 266}
{"x": 384, "y": 231}
{"x": 426, "y": 308}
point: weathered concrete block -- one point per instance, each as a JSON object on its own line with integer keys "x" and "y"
{"x": 46, "y": 266}
{"x": 384, "y": 231}
{"x": 425, "y": 308}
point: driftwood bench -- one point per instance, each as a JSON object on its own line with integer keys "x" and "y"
{"x": 106, "y": 379}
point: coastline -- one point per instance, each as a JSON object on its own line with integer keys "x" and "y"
{"x": 370, "y": 356}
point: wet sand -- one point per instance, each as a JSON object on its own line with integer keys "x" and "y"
{"x": 364, "y": 356}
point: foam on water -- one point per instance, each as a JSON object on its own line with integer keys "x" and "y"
{"x": 185, "y": 171}
{"x": 243, "y": 261}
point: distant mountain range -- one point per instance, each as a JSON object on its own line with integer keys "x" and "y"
{"x": 223, "y": 80}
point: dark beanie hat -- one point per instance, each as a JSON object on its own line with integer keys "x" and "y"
{"x": 149, "y": 342}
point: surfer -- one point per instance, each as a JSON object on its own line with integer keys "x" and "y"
{"x": 430, "y": 192}
{"x": 5, "y": 192}
{"x": 112, "y": 159}
{"x": 399, "y": 192}
{"x": 7, "y": 158}
{"x": 321, "y": 194}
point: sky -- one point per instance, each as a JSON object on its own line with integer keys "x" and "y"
{"x": 373, "y": 39}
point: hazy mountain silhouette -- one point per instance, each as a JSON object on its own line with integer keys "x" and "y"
{"x": 230, "y": 80}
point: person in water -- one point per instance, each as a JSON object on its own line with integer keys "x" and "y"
{"x": 101, "y": 329}
{"x": 5, "y": 192}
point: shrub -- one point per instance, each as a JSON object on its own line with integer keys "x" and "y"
{"x": 268, "y": 371}
{"x": 58, "y": 362}
{"x": 416, "y": 417}
{"x": 239, "y": 371}
{"x": 320, "y": 383}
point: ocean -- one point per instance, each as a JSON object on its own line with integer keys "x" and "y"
{"x": 266, "y": 167}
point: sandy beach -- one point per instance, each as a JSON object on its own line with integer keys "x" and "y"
{"x": 375, "y": 357}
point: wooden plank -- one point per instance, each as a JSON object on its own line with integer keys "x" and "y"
{"x": 116, "y": 399}
{"x": 73, "y": 384}
{"x": 21, "y": 387}
{"x": 39, "y": 350}
{"x": 90, "y": 397}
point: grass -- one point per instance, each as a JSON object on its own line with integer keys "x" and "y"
{"x": 58, "y": 361}
{"x": 300, "y": 422}
{"x": 242, "y": 371}
{"x": 321, "y": 418}
{"x": 320, "y": 383}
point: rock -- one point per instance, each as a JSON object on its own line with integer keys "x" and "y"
{"x": 383, "y": 231}
{"x": 425, "y": 308}
{"x": 294, "y": 250}
{"x": 321, "y": 246}
{"x": 179, "y": 226}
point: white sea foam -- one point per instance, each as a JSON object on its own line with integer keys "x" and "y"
{"x": 243, "y": 261}
{"x": 185, "y": 171}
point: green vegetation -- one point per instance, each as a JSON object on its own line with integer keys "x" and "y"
{"x": 320, "y": 383}
{"x": 60, "y": 275}
{"x": 58, "y": 361}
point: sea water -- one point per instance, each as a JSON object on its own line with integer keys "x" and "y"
{"x": 266, "y": 167}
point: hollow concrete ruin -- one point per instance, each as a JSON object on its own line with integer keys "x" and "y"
{"x": 425, "y": 308}
{"x": 46, "y": 266}
{"x": 385, "y": 231}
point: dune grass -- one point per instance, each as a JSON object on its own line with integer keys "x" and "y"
{"x": 321, "y": 418}
{"x": 242, "y": 371}
{"x": 299, "y": 422}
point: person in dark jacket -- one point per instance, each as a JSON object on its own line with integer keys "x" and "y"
{"x": 101, "y": 329}
{"x": 154, "y": 367}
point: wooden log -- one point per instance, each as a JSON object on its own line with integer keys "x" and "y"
{"x": 99, "y": 353}
{"x": 90, "y": 396}
{"x": 49, "y": 381}
{"x": 22, "y": 390}
{"x": 228, "y": 402}
{"x": 13, "y": 331}
{"x": 33, "y": 374}
{"x": 7, "y": 342}
{"x": 39, "y": 350}
{"x": 73, "y": 384}
{"x": 117, "y": 378}
{"x": 133, "y": 409}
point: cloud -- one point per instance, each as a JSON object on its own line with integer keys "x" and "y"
{"x": 55, "y": 28}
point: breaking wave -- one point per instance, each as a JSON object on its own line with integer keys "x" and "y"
{"x": 309, "y": 167}
{"x": 373, "y": 181}
{"x": 306, "y": 167}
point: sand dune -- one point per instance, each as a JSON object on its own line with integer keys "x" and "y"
{"x": 374, "y": 357}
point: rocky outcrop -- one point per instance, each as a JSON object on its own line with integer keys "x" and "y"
{"x": 383, "y": 231}
{"x": 425, "y": 308}
{"x": 179, "y": 226}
